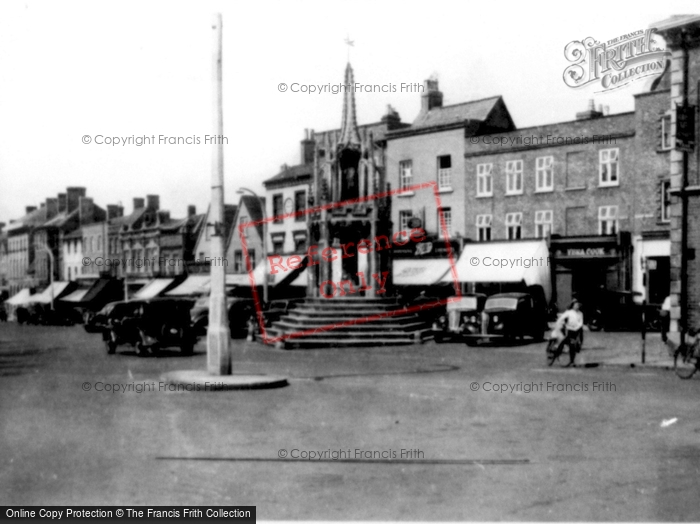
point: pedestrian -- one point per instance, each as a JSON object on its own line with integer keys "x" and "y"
{"x": 665, "y": 314}
{"x": 569, "y": 328}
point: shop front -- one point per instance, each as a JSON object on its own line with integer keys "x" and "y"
{"x": 588, "y": 265}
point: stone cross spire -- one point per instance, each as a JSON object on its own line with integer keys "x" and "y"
{"x": 349, "y": 136}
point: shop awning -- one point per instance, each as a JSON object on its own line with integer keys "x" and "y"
{"x": 75, "y": 296}
{"x": 47, "y": 295}
{"x": 153, "y": 288}
{"x": 21, "y": 297}
{"x": 290, "y": 277}
{"x": 504, "y": 262}
{"x": 420, "y": 271}
{"x": 193, "y": 285}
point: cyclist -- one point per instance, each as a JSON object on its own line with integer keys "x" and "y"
{"x": 570, "y": 327}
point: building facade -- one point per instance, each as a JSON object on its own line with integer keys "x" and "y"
{"x": 432, "y": 149}
{"x": 249, "y": 209}
{"x": 682, "y": 35}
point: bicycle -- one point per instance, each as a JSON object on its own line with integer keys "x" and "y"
{"x": 555, "y": 348}
{"x": 686, "y": 357}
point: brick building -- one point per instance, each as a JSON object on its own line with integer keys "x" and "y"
{"x": 682, "y": 35}
{"x": 432, "y": 149}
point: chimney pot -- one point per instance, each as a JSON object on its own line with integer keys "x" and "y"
{"x": 191, "y": 210}
{"x": 139, "y": 203}
{"x": 29, "y": 209}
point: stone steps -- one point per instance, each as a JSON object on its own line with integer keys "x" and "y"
{"x": 393, "y": 326}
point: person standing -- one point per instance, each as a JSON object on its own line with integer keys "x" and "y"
{"x": 665, "y": 318}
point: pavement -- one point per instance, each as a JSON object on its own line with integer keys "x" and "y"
{"x": 432, "y": 432}
{"x": 627, "y": 349}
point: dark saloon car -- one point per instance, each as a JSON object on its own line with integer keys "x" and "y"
{"x": 510, "y": 316}
{"x": 240, "y": 309}
{"x": 148, "y": 325}
{"x": 462, "y": 317}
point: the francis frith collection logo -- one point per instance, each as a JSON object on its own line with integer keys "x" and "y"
{"x": 614, "y": 63}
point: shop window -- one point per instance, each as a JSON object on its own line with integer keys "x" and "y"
{"x": 484, "y": 180}
{"x": 514, "y": 226}
{"x": 514, "y": 177}
{"x": 609, "y": 169}
{"x": 483, "y": 227}
{"x": 544, "y": 174}
{"x": 607, "y": 220}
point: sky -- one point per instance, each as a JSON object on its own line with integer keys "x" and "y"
{"x": 132, "y": 69}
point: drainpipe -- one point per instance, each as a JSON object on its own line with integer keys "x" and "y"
{"x": 684, "y": 208}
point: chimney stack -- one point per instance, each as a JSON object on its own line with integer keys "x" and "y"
{"x": 29, "y": 209}
{"x": 432, "y": 97}
{"x": 590, "y": 112}
{"x": 62, "y": 202}
{"x": 391, "y": 118}
{"x": 51, "y": 208}
{"x": 191, "y": 211}
{"x": 307, "y": 148}
{"x": 74, "y": 194}
{"x": 114, "y": 211}
{"x": 153, "y": 202}
{"x": 139, "y": 203}
{"x": 86, "y": 211}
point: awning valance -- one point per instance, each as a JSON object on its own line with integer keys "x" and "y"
{"x": 193, "y": 285}
{"x": 505, "y": 262}
{"x": 420, "y": 271}
{"x": 153, "y": 288}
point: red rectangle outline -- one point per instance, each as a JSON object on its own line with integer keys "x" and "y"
{"x": 333, "y": 205}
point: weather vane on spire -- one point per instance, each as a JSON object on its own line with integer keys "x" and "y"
{"x": 349, "y": 43}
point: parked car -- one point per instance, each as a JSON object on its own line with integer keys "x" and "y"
{"x": 148, "y": 325}
{"x": 618, "y": 310}
{"x": 509, "y": 316}
{"x": 240, "y": 310}
{"x": 462, "y": 317}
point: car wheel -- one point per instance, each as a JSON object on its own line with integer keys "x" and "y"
{"x": 111, "y": 342}
{"x": 596, "y": 321}
{"x": 141, "y": 349}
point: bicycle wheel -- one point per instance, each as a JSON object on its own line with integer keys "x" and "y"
{"x": 685, "y": 363}
{"x": 554, "y": 351}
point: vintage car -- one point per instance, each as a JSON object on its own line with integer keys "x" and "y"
{"x": 148, "y": 325}
{"x": 511, "y": 316}
{"x": 462, "y": 317}
{"x": 618, "y": 311}
{"x": 240, "y": 311}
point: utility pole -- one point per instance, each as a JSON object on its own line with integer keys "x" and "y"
{"x": 218, "y": 334}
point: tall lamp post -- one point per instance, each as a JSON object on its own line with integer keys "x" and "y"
{"x": 218, "y": 334}
{"x": 264, "y": 238}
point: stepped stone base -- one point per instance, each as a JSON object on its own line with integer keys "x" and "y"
{"x": 348, "y": 322}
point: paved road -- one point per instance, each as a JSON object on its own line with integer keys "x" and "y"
{"x": 546, "y": 454}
